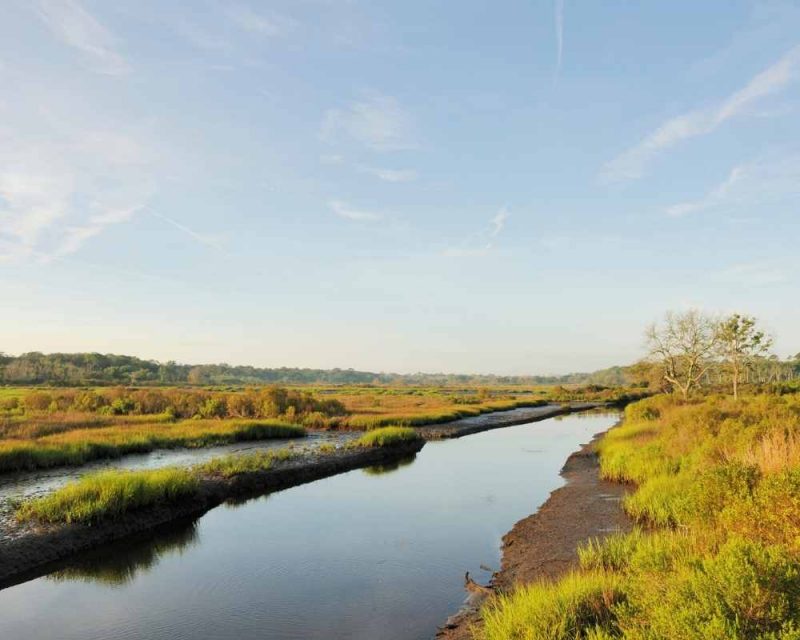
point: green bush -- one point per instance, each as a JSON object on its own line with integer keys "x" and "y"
{"x": 745, "y": 591}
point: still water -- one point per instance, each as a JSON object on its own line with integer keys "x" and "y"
{"x": 374, "y": 553}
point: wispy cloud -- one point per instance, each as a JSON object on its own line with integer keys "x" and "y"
{"x": 344, "y": 210}
{"x": 559, "y": 20}
{"x": 747, "y": 185}
{"x": 76, "y": 27}
{"x": 631, "y": 164}
{"x": 74, "y": 237}
{"x": 480, "y": 243}
{"x": 498, "y": 223}
{"x": 205, "y": 239}
{"x": 391, "y": 175}
{"x": 66, "y": 173}
{"x": 378, "y": 122}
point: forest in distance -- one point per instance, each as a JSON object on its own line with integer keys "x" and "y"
{"x": 109, "y": 369}
{"x": 79, "y": 369}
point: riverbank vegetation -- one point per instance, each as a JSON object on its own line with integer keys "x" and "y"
{"x": 46, "y": 427}
{"x": 387, "y": 437}
{"x": 717, "y": 498}
{"x": 230, "y": 466}
{"x": 715, "y": 493}
{"x": 109, "y": 494}
{"x": 80, "y": 446}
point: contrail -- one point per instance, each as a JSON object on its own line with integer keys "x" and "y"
{"x": 559, "y": 15}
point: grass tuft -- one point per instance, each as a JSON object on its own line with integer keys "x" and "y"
{"x": 387, "y": 436}
{"x": 109, "y": 494}
{"x": 230, "y": 466}
{"x": 575, "y": 608}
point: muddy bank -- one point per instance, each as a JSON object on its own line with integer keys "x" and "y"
{"x": 497, "y": 419}
{"x": 35, "y": 548}
{"x": 544, "y": 545}
{"x": 23, "y": 485}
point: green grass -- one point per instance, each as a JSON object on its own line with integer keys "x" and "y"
{"x": 230, "y": 466}
{"x": 109, "y": 494}
{"x": 387, "y": 437}
{"x": 578, "y": 607}
{"x": 81, "y": 446}
{"x": 716, "y": 488}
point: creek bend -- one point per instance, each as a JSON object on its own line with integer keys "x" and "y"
{"x": 372, "y": 553}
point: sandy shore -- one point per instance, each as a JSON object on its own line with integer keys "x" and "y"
{"x": 544, "y": 545}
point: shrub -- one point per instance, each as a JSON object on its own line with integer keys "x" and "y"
{"x": 745, "y": 591}
{"x": 37, "y": 401}
{"x": 771, "y": 514}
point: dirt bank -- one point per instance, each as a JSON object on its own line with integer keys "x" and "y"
{"x": 35, "y": 548}
{"x": 544, "y": 545}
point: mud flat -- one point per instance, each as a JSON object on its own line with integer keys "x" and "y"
{"x": 32, "y": 549}
{"x": 544, "y": 545}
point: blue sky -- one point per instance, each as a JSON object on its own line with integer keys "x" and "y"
{"x": 514, "y": 187}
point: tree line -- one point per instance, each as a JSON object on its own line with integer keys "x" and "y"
{"x": 84, "y": 369}
{"x": 693, "y": 349}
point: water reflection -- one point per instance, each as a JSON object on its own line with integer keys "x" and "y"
{"x": 119, "y": 563}
{"x": 380, "y": 469}
{"x": 589, "y": 414}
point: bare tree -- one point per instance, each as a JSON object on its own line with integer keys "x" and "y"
{"x": 684, "y": 346}
{"x": 740, "y": 343}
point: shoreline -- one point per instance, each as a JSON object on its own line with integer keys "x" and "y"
{"x": 543, "y": 545}
{"x": 34, "y": 549}
{"x": 40, "y": 546}
{"x": 502, "y": 418}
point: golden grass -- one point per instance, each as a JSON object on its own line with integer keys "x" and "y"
{"x": 82, "y": 445}
{"x": 775, "y": 452}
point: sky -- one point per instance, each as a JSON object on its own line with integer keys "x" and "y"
{"x": 510, "y": 188}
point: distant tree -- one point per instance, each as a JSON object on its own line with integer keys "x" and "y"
{"x": 740, "y": 343}
{"x": 646, "y": 374}
{"x": 684, "y": 345}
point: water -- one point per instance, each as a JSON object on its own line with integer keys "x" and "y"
{"x": 378, "y": 553}
{"x": 30, "y": 484}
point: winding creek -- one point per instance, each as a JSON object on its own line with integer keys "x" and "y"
{"x": 373, "y": 553}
